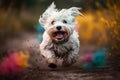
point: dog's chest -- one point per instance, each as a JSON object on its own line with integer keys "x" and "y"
{"x": 61, "y": 50}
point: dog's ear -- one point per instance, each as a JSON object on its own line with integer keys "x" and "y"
{"x": 74, "y": 11}
{"x": 47, "y": 14}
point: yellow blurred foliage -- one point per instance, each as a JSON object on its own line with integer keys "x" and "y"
{"x": 9, "y": 22}
{"x": 2, "y": 18}
{"x": 101, "y": 27}
{"x": 22, "y": 59}
{"x": 91, "y": 29}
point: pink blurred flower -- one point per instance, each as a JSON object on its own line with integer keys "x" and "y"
{"x": 88, "y": 58}
{"x": 14, "y": 63}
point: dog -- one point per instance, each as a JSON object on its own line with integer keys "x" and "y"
{"x": 60, "y": 40}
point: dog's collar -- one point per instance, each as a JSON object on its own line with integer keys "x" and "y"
{"x": 62, "y": 42}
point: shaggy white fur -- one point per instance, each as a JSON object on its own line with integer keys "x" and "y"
{"x": 59, "y": 26}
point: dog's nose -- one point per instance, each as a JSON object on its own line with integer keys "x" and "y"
{"x": 59, "y": 27}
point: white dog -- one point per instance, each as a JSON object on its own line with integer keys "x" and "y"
{"x": 60, "y": 40}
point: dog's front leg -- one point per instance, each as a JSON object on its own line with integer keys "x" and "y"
{"x": 49, "y": 56}
{"x": 46, "y": 52}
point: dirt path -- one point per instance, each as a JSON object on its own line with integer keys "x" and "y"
{"x": 62, "y": 74}
{"x": 39, "y": 71}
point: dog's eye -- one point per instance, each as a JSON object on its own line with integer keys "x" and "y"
{"x": 64, "y": 21}
{"x": 52, "y": 22}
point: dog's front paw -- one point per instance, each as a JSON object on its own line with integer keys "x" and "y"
{"x": 52, "y": 65}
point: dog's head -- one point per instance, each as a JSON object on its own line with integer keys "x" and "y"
{"x": 59, "y": 24}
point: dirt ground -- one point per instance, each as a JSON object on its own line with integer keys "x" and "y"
{"x": 38, "y": 69}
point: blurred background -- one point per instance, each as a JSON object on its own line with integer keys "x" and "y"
{"x": 99, "y": 27}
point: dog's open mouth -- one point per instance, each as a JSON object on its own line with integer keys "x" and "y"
{"x": 59, "y": 35}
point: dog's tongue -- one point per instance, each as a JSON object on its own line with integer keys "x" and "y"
{"x": 59, "y": 35}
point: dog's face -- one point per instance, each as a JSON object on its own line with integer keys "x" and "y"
{"x": 59, "y": 24}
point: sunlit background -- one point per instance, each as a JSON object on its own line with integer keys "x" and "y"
{"x": 98, "y": 27}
